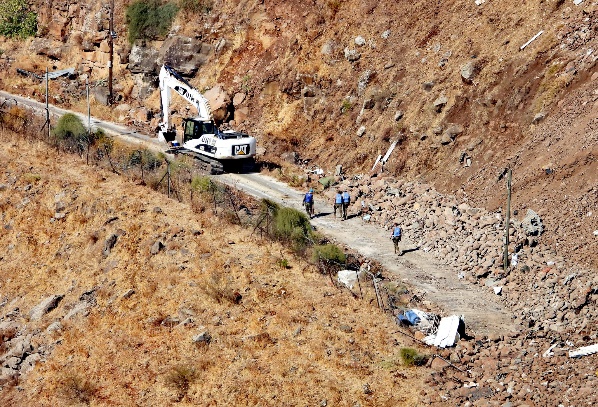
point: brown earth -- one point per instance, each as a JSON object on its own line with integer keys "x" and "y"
{"x": 533, "y": 110}
{"x": 302, "y": 93}
{"x": 122, "y": 332}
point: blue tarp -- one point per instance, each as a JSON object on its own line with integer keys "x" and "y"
{"x": 409, "y": 317}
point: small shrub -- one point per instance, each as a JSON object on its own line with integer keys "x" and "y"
{"x": 292, "y": 226}
{"x": 411, "y": 357}
{"x": 180, "y": 379}
{"x": 220, "y": 291}
{"x": 282, "y": 263}
{"x": 207, "y": 187}
{"x": 32, "y": 178}
{"x": 78, "y": 389}
{"x": 330, "y": 253}
{"x": 146, "y": 159}
{"x": 346, "y": 106}
{"x": 334, "y": 6}
{"x": 196, "y": 6}
{"x": 69, "y": 126}
{"x": 150, "y": 19}
{"x": 15, "y": 119}
{"x": 329, "y": 258}
{"x": 103, "y": 143}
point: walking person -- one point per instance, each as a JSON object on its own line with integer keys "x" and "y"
{"x": 308, "y": 201}
{"x": 338, "y": 203}
{"x": 346, "y": 202}
{"x": 396, "y": 238}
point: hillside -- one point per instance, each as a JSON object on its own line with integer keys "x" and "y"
{"x": 461, "y": 89}
{"x": 335, "y": 82}
{"x": 120, "y": 317}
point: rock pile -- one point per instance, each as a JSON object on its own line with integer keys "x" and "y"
{"x": 551, "y": 298}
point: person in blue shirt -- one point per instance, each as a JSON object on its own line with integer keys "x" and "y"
{"x": 396, "y": 238}
{"x": 346, "y": 202}
{"x": 308, "y": 201}
{"x": 338, "y": 203}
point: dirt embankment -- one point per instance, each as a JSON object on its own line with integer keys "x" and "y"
{"x": 113, "y": 294}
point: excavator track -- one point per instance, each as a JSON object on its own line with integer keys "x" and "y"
{"x": 205, "y": 163}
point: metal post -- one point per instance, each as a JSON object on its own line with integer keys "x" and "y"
{"x": 88, "y": 108}
{"x": 47, "y": 105}
{"x": 507, "y": 221}
{"x": 111, "y": 43}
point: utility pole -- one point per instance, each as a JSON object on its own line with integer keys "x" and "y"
{"x": 111, "y": 43}
{"x": 47, "y": 105}
{"x": 507, "y": 221}
{"x": 88, "y": 108}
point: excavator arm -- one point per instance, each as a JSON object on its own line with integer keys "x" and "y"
{"x": 171, "y": 80}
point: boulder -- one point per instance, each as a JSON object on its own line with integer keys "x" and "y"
{"x": 352, "y": 55}
{"x": 532, "y": 224}
{"x": 469, "y": 72}
{"x": 440, "y": 103}
{"x": 49, "y": 48}
{"x": 109, "y": 244}
{"x": 184, "y": 54}
{"x": 143, "y": 59}
{"x": 156, "y": 247}
{"x": 238, "y": 98}
{"x": 219, "y": 101}
{"x": 45, "y": 306}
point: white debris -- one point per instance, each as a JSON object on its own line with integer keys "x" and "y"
{"x": 596, "y": 233}
{"x": 479, "y": 2}
{"x": 549, "y": 352}
{"x": 497, "y": 290}
{"x": 447, "y": 333}
{"x": 583, "y": 351}
{"x": 577, "y": 2}
{"x": 514, "y": 259}
{"x": 349, "y": 277}
{"x": 531, "y": 40}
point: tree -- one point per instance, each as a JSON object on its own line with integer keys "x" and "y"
{"x": 16, "y": 19}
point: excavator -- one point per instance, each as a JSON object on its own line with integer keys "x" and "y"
{"x": 217, "y": 150}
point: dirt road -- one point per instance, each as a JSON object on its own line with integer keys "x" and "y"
{"x": 482, "y": 310}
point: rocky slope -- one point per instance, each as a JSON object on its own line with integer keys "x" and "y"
{"x": 336, "y": 82}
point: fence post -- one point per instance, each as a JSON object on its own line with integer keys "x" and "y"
{"x": 508, "y": 220}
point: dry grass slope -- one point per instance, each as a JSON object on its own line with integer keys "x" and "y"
{"x": 275, "y": 336}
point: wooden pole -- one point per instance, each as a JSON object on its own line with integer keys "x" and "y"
{"x": 111, "y": 44}
{"x": 88, "y": 108}
{"x": 88, "y": 120}
{"x": 507, "y": 222}
{"x": 47, "y": 105}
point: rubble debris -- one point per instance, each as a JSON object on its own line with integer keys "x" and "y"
{"x": 583, "y": 351}
{"x": 549, "y": 351}
{"x": 531, "y": 40}
{"x": 447, "y": 333}
{"x": 349, "y": 278}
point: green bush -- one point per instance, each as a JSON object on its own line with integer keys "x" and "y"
{"x": 411, "y": 357}
{"x": 330, "y": 253}
{"x": 69, "y": 126}
{"x": 292, "y": 226}
{"x": 71, "y": 134}
{"x": 146, "y": 159}
{"x": 150, "y": 19}
{"x": 16, "y": 19}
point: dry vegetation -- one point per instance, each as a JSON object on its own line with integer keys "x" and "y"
{"x": 277, "y": 335}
